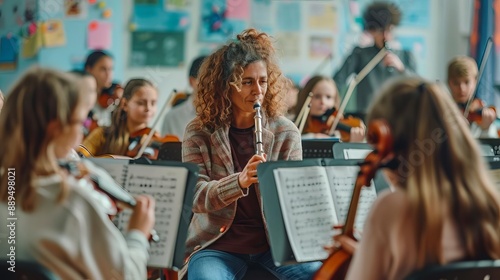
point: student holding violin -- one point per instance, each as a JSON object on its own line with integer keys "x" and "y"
{"x": 59, "y": 223}
{"x": 443, "y": 207}
{"x": 322, "y": 110}
{"x": 100, "y": 65}
{"x": 130, "y": 125}
{"x": 462, "y": 81}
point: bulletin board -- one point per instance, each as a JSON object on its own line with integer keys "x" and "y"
{"x": 57, "y": 34}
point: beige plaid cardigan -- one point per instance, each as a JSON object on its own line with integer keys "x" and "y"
{"x": 217, "y": 190}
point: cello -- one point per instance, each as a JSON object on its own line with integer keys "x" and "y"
{"x": 336, "y": 265}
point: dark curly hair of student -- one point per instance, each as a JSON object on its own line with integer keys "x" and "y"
{"x": 381, "y": 15}
{"x": 222, "y": 71}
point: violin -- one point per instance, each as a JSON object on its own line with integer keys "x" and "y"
{"x": 110, "y": 96}
{"x": 152, "y": 149}
{"x": 337, "y": 264}
{"x": 111, "y": 195}
{"x": 475, "y": 110}
{"x": 323, "y": 124}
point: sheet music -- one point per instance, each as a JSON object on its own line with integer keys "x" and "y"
{"x": 167, "y": 185}
{"x": 495, "y": 178}
{"x": 342, "y": 180}
{"x": 356, "y": 153}
{"x": 308, "y": 210}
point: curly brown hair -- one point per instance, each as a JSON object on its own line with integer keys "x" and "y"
{"x": 224, "y": 68}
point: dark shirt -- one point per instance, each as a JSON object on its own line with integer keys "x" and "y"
{"x": 247, "y": 233}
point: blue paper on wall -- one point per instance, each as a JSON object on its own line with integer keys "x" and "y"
{"x": 214, "y": 25}
{"x": 155, "y": 18}
{"x": 9, "y": 48}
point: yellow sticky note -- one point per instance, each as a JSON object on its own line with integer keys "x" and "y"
{"x": 53, "y": 33}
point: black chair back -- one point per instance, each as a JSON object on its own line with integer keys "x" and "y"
{"x": 465, "y": 270}
{"x": 25, "y": 270}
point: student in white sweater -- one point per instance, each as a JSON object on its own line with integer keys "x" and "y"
{"x": 444, "y": 207}
{"x": 59, "y": 223}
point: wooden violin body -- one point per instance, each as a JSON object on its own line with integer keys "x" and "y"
{"x": 336, "y": 265}
{"x": 475, "y": 110}
{"x": 324, "y": 123}
{"x": 153, "y": 147}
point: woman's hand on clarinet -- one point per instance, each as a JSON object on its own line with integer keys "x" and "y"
{"x": 248, "y": 176}
{"x": 143, "y": 215}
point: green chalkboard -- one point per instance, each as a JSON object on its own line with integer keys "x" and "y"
{"x": 157, "y": 49}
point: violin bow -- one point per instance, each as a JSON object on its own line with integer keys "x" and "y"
{"x": 354, "y": 82}
{"x": 168, "y": 105}
{"x": 484, "y": 59}
{"x": 300, "y": 122}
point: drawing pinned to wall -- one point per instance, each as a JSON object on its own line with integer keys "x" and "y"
{"x": 99, "y": 35}
{"x": 50, "y": 9}
{"x": 288, "y": 44}
{"x": 215, "y": 26}
{"x": 238, "y": 9}
{"x": 75, "y": 9}
{"x": 157, "y": 49}
{"x": 261, "y": 16}
{"x": 32, "y": 43}
{"x": 320, "y": 46}
{"x": 416, "y": 13}
{"x": 53, "y": 33}
{"x": 9, "y": 50}
{"x": 288, "y": 16}
{"x": 323, "y": 16}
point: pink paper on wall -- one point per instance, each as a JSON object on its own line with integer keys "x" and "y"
{"x": 99, "y": 35}
{"x": 238, "y": 9}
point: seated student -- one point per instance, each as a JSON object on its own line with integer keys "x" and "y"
{"x": 100, "y": 65}
{"x": 462, "y": 81}
{"x": 59, "y": 223}
{"x": 324, "y": 102}
{"x": 176, "y": 120}
{"x": 228, "y": 232}
{"x": 130, "y": 122}
{"x": 89, "y": 80}
{"x": 444, "y": 207}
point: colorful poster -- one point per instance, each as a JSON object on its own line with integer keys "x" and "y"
{"x": 323, "y": 16}
{"x": 157, "y": 19}
{"x": 32, "y": 44}
{"x": 288, "y": 16}
{"x": 238, "y": 9}
{"x": 416, "y": 13}
{"x": 262, "y": 16}
{"x": 53, "y": 33}
{"x": 320, "y": 46}
{"x": 288, "y": 44}
{"x": 215, "y": 26}
{"x": 99, "y": 35}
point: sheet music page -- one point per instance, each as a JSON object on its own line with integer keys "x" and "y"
{"x": 167, "y": 185}
{"x": 308, "y": 210}
{"x": 495, "y": 178}
{"x": 356, "y": 153}
{"x": 342, "y": 180}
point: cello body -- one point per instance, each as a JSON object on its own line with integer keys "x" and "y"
{"x": 338, "y": 262}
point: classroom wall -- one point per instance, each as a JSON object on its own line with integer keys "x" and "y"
{"x": 444, "y": 34}
{"x": 440, "y": 36}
